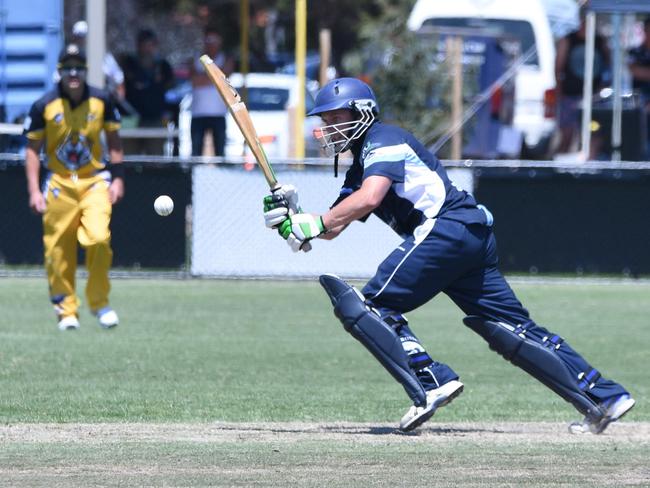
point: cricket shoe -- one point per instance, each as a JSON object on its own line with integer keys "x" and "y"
{"x": 69, "y": 323}
{"x": 107, "y": 318}
{"x": 437, "y": 398}
{"x": 614, "y": 409}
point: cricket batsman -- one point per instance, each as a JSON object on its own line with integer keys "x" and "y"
{"x": 80, "y": 187}
{"x": 448, "y": 246}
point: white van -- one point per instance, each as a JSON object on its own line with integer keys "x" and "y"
{"x": 535, "y": 79}
{"x": 271, "y": 99}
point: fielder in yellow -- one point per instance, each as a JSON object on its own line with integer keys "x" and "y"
{"x": 80, "y": 186}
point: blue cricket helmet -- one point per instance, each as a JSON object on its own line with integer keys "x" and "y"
{"x": 350, "y": 93}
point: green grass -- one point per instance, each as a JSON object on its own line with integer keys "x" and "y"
{"x": 144, "y": 404}
{"x": 197, "y": 350}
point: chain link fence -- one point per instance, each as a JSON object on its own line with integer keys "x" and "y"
{"x": 575, "y": 218}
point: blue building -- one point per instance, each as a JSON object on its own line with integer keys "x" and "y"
{"x": 31, "y": 38}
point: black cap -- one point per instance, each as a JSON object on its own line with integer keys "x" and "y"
{"x": 72, "y": 51}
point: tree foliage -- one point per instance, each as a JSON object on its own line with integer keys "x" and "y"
{"x": 411, "y": 88}
{"x": 369, "y": 40}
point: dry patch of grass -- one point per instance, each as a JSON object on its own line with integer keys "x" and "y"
{"x": 322, "y": 454}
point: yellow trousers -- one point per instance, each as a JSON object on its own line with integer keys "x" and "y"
{"x": 78, "y": 210}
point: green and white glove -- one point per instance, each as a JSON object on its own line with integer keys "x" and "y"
{"x": 300, "y": 228}
{"x": 296, "y": 244}
{"x": 280, "y": 205}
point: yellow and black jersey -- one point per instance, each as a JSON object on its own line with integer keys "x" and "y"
{"x": 72, "y": 132}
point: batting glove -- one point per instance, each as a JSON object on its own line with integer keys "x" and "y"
{"x": 280, "y": 205}
{"x": 296, "y": 244}
{"x": 302, "y": 227}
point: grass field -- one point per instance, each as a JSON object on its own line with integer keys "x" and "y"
{"x": 255, "y": 383}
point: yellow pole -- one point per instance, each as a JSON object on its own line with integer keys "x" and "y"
{"x": 301, "y": 51}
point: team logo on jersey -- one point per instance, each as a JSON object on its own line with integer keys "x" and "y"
{"x": 58, "y": 118}
{"x": 91, "y": 117}
{"x": 55, "y": 192}
{"x": 74, "y": 151}
{"x": 368, "y": 148}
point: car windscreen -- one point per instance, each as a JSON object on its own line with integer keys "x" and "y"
{"x": 520, "y": 30}
{"x": 267, "y": 99}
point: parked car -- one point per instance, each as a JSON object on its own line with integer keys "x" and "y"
{"x": 271, "y": 99}
{"x": 527, "y": 21}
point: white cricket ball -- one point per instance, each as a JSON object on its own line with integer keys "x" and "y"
{"x": 163, "y": 205}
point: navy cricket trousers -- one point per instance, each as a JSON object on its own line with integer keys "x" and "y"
{"x": 461, "y": 261}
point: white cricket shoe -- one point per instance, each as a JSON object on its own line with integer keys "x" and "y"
{"x": 615, "y": 408}
{"x": 107, "y": 318}
{"x": 416, "y": 416}
{"x": 69, "y": 323}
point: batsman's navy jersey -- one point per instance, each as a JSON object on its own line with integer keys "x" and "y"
{"x": 420, "y": 190}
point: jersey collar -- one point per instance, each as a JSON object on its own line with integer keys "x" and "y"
{"x": 85, "y": 96}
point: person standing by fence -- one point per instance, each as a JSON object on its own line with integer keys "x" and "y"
{"x": 208, "y": 109}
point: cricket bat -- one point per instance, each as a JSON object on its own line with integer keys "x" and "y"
{"x": 240, "y": 113}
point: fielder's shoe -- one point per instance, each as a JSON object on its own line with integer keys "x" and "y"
{"x": 107, "y": 318}
{"x": 615, "y": 408}
{"x": 437, "y": 398}
{"x": 69, "y": 323}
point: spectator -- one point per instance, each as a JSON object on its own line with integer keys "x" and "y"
{"x": 569, "y": 74}
{"x": 639, "y": 63}
{"x": 263, "y": 50}
{"x": 208, "y": 108}
{"x": 147, "y": 77}
{"x": 80, "y": 191}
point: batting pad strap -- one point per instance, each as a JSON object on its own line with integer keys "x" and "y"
{"x": 588, "y": 380}
{"x": 420, "y": 360}
{"x": 553, "y": 342}
{"x": 370, "y": 330}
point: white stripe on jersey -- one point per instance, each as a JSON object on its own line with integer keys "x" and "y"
{"x": 422, "y": 186}
{"x": 386, "y": 154}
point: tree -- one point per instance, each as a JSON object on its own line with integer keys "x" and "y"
{"x": 411, "y": 87}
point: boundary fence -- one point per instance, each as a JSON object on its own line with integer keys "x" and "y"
{"x": 551, "y": 217}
